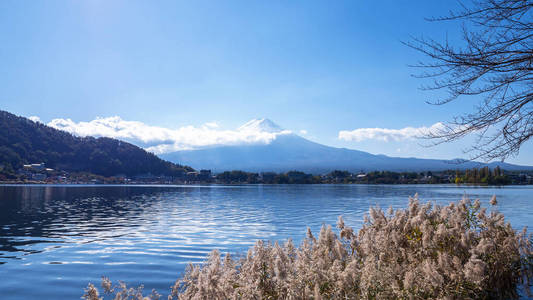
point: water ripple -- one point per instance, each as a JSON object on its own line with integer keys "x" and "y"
{"x": 59, "y": 238}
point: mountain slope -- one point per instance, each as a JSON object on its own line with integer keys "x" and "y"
{"x": 23, "y": 141}
{"x": 292, "y": 152}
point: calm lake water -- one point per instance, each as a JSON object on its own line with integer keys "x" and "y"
{"x": 56, "y": 239}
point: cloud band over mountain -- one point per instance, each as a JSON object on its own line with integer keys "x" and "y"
{"x": 163, "y": 140}
{"x": 160, "y": 140}
{"x": 386, "y": 134}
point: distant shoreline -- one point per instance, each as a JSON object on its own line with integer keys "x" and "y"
{"x": 242, "y": 184}
{"x": 483, "y": 176}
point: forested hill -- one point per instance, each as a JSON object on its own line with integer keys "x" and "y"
{"x": 23, "y": 141}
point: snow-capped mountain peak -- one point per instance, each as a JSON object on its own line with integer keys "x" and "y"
{"x": 261, "y": 125}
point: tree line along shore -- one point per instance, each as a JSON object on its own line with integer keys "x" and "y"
{"x": 38, "y": 173}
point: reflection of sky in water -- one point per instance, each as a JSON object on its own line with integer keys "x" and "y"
{"x": 60, "y": 238}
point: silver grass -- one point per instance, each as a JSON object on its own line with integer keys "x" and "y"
{"x": 458, "y": 251}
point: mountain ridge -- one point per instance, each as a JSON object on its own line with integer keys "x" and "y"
{"x": 290, "y": 151}
{"x": 23, "y": 141}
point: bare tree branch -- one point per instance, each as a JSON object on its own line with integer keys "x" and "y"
{"x": 496, "y": 63}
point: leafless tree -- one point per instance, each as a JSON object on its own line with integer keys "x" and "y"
{"x": 494, "y": 64}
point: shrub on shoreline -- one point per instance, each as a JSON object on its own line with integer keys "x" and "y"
{"x": 458, "y": 251}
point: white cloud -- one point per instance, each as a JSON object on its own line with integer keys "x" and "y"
{"x": 211, "y": 125}
{"x": 163, "y": 140}
{"x": 35, "y": 119}
{"x": 386, "y": 134}
{"x": 303, "y": 131}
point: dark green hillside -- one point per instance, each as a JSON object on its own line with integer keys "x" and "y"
{"x": 23, "y": 141}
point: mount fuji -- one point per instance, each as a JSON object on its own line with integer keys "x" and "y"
{"x": 288, "y": 151}
{"x": 261, "y": 125}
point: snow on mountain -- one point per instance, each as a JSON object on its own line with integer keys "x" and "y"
{"x": 286, "y": 151}
{"x": 261, "y": 125}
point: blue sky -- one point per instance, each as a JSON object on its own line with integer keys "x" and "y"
{"x": 322, "y": 67}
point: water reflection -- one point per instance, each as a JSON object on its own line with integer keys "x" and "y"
{"x": 50, "y": 214}
{"x": 61, "y": 237}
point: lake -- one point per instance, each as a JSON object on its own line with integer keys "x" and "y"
{"x": 56, "y": 239}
